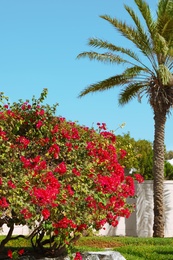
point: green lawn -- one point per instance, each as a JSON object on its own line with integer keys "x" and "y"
{"x": 130, "y": 247}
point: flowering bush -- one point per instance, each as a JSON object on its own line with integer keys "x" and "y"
{"x": 57, "y": 177}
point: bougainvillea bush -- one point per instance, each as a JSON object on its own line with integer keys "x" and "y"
{"x": 57, "y": 177}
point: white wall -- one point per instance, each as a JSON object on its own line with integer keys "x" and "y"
{"x": 18, "y": 230}
{"x": 140, "y": 223}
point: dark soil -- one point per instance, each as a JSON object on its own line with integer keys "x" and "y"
{"x": 98, "y": 243}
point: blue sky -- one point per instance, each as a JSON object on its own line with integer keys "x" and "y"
{"x": 40, "y": 40}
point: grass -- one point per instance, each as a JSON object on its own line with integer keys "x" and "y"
{"x": 132, "y": 248}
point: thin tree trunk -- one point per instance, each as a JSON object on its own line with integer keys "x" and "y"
{"x": 7, "y": 238}
{"x": 158, "y": 173}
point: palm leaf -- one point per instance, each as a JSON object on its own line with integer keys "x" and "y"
{"x": 105, "y": 57}
{"x": 111, "y": 82}
{"x": 146, "y": 14}
{"x": 99, "y": 43}
{"x": 104, "y": 85}
{"x": 134, "y": 36}
{"x": 134, "y": 71}
{"x": 127, "y": 31}
{"x": 143, "y": 35}
{"x": 165, "y": 19}
{"x": 131, "y": 91}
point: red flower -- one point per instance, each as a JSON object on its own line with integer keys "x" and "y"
{"x": 23, "y": 140}
{"x": 11, "y": 184}
{"x": 21, "y": 252}
{"x": 10, "y": 254}
{"x": 3, "y": 203}
{"x": 3, "y": 134}
{"x": 45, "y": 213}
{"x": 82, "y": 227}
{"x": 26, "y": 213}
{"x": 61, "y": 168}
{"x": 102, "y": 126}
{"x": 78, "y": 256}
{"x": 76, "y": 172}
{"x": 123, "y": 153}
{"x": 39, "y": 124}
{"x": 40, "y": 112}
{"x": 138, "y": 177}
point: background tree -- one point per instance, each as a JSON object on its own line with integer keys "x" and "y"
{"x": 168, "y": 171}
{"x": 139, "y": 156}
{"x": 147, "y": 72}
{"x": 168, "y": 155}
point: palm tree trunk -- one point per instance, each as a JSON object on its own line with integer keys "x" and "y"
{"x": 158, "y": 173}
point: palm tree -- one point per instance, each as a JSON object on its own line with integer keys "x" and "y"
{"x": 152, "y": 78}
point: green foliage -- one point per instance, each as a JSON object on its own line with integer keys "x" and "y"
{"x": 127, "y": 143}
{"x": 145, "y": 158}
{"x": 168, "y": 171}
{"x": 168, "y": 155}
{"x": 139, "y": 155}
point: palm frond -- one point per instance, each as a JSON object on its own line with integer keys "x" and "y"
{"x": 132, "y": 72}
{"x": 162, "y": 7}
{"x": 146, "y": 14}
{"x": 103, "y": 57}
{"x": 127, "y": 31}
{"x": 131, "y": 91}
{"x": 165, "y": 19}
{"x": 99, "y": 43}
{"x": 151, "y": 27}
{"x": 134, "y": 36}
{"x": 104, "y": 85}
{"x": 143, "y": 35}
{"x": 121, "y": 79}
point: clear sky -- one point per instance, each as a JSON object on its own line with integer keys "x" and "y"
{"x": 40, "y": 40}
